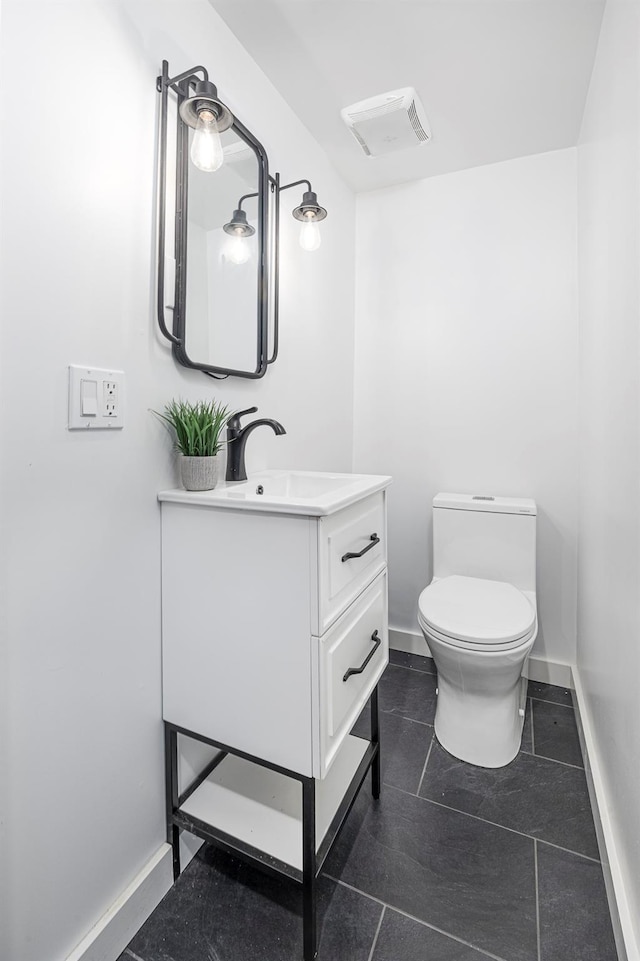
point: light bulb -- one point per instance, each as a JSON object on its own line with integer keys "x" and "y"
{"x": 310, "y": 235}
{"x": 237, "y": 250}
{"x": 206, "y": 148}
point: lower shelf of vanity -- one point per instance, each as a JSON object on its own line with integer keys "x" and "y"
{"x": 256, "y": 812}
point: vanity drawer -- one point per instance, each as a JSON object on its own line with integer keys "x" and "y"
{"x": 358, "y": 530}
{"x": 352, "y": 656}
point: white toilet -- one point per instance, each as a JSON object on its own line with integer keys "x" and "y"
{"x": 479, "y": 618}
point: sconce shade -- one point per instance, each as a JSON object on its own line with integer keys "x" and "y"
{"x": 238, "y": 225}
{"x": 309, "y": 209}
{"x": 205, "y": 97}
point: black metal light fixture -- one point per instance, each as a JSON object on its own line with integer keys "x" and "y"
{"x": 195, "y": 99}
{"x": 310, "y": 213}
{"x": 199, "y": 109}
{"x": 208, "y": 117}
{"x": 239, "y": 229}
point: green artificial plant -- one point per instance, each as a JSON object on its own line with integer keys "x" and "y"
{"x": 196, "y": 426}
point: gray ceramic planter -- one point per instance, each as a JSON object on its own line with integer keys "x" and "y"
{"x": 198, "y": 473}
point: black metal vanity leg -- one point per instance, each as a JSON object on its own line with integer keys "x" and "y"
{"x": 171, "y": 794}
{"x": 309, "y": 868}
{"x": 375, "y": 738}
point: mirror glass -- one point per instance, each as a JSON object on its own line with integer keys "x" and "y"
{"x": 221, "y": 312}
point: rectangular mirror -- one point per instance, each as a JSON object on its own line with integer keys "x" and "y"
{"x": 223, "y": 275}
{"x": 221, "y": 239}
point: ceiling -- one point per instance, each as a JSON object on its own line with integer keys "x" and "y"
{"x": 498, "y": 78}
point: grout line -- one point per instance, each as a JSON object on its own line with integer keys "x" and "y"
{"x": 412, "y": 917}
{"x": 447, "y": 934}
{"x": 543, "y": 757}
{"x": 375, "y": 937}
{"x": 533, "y": 733}
{"x": 417, "y": 670}
{"x": 405, "y": 718}
{"x": 494, "y": 824}
{"x": 576, "y": 854}
{"x": 535, "y": 864}
{"x": 569, "y": 707}
{"x": 424, "y": 769}
{"x": 345, "y": 884}
{"x": 135, "y": 957}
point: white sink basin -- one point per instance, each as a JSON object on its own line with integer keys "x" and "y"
{"x": 286, "y": 492}
{"x": 292, "y": 484}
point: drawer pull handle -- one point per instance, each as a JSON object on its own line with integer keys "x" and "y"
{"x": 358, "y": 670}
{"x": 374, "y": 540}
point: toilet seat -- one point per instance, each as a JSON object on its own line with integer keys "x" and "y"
{"x": 476, "y": 614}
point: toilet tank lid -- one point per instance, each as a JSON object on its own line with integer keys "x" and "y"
{"x": 486, "y": 502}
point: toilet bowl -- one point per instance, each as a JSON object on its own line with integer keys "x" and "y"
{"x": 479, "y": 618}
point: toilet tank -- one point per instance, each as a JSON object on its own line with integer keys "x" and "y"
{"x": 482, "y": 536}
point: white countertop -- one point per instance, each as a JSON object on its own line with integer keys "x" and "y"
{"x": 312, "y": 493}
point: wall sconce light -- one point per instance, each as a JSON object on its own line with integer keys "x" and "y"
{"x": 239, "y": 229}
{"x": 208, "y": 116}
{"x": 309, "y": 213}
{"x": 201, "y": 110}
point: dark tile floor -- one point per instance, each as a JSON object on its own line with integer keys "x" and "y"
{"x": 454, "y": 863}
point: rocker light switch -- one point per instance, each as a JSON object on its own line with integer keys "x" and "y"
{"x": 89, "y": 398}
{"x": 96, "y": 399}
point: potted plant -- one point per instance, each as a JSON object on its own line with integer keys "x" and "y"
{"x": 196, "y": 428}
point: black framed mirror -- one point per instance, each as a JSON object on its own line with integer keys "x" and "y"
{"x": 214, "y": 242}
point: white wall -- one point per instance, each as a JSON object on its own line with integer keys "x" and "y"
{"x": 608, "y": 654}
{"x": 80, "y": 523}
{"x": 466, "y": 363}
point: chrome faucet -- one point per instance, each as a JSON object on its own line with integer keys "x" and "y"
{"x": 237, "y": 441}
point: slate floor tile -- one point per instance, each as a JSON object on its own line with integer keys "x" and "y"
{"x": 532, "y": 794}
{"x": 574, "y": 915}
{"x": 415, "y": 661}
{"x": 550, "y": 692}
{"x": 454, "y": 872}
{"x": 472, "y": 880}
{"x": 403, "y": 939}
{"x": 223, "y": 909}
{"x": 555, "y": 733}
{"x": 408, "y": 693}
{"x": 404, "y": 745}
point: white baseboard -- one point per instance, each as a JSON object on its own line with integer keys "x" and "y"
{"x": 538, "y": 669}
{"x": 627, "y": 942}
{"x": 409, "y": 642}
{"x": 549, "y": 672}
{"x": 109, "y": 937}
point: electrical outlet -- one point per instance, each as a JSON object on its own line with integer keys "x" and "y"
{"x": 109, "y": 398}
{"x": 96, "y": 398}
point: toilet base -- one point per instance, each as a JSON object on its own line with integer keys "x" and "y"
{"x": 486, "y": 732}
{"x": 481, "y": 701}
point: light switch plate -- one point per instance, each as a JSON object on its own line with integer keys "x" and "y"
{"x": 96, "y": 398}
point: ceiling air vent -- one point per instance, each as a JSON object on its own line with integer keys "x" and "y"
{"x": 389, "y": 122}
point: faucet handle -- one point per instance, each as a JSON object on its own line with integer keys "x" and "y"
{"x": 234, "y": 421}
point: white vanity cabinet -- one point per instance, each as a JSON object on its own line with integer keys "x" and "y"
{"x": 272, "y": 637}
